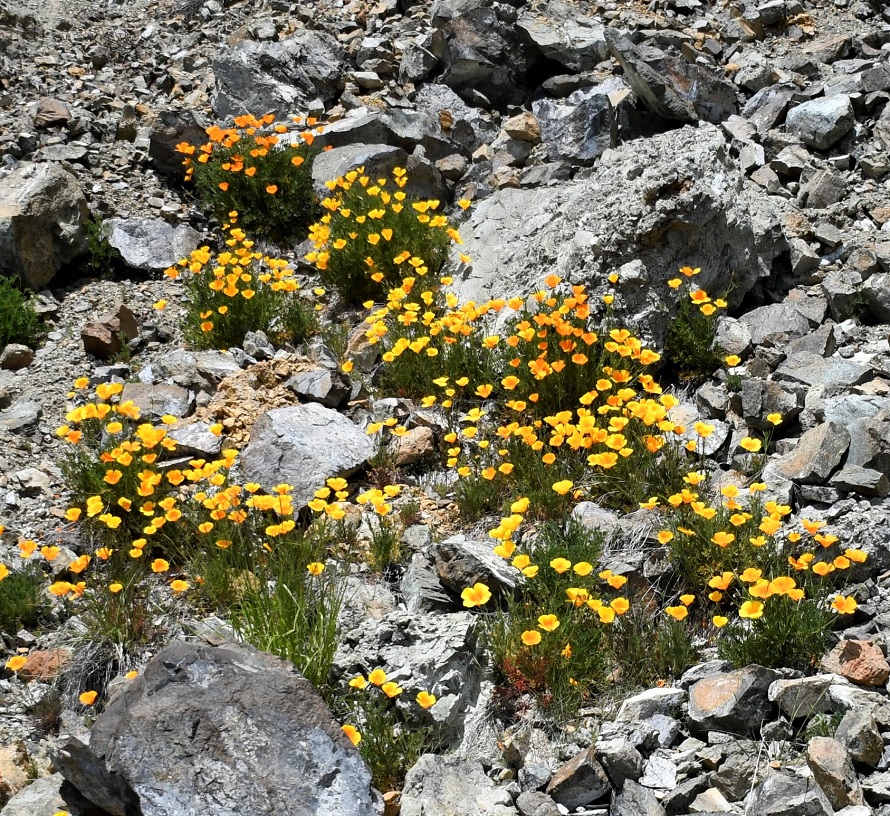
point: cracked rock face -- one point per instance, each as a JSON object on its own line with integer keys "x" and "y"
{"x": 219, "y": 742}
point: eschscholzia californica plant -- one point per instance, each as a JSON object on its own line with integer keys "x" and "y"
{"x": 689, "y": 346}
{"x": 239, "y": 289}
{"x": 375, "y": 234}
{"x": 390, "y": 732}
{"x": 260, "y": 168}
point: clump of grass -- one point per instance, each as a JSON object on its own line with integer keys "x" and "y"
{"x": 260, "y": 170}
{"x": 19, "y": 322}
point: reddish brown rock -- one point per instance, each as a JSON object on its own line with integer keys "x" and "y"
{"x": 833, "y": 771}
{"x": 106, "y": 336}
{"x": 579, "y": 782}
{"x": 860, "y": 661}
{"x": 44, "y": 666}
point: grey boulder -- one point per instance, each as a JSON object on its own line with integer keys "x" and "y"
{"x": 303, "y": 445}
{"x": 649, "y": 207}
{"x": 43, "y": 222}
{"x": 821, "y": 122}
{"x": 448, "y": 785}
{"x": 225, "y": 730}
{"x": 280, "y": 77}
{"x": 150, "y": 244}
{"x": 670, "y": 86}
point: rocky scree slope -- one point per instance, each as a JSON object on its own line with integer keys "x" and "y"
{"x": 748, "y": 139}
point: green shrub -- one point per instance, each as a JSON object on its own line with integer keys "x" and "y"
{"x": 19, "y": 322}
{"x": 22, "y": 600}
{"x": 259, "y": 170}
{"x": 239, "y": 290}
{"x": 371, "y": 240}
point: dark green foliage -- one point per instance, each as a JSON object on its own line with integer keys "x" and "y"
{"x": 22, "y": 600}
{"x": 19, "y": 322}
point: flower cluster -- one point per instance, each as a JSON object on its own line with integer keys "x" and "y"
{"x": 374, "y": 235}
{"x": 238, "y": 290}
{"x": 259, "y": 168}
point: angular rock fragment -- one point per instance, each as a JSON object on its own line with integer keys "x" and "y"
{"x": 245, "y": 719}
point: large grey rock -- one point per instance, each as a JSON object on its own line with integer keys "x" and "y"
{"x": 803, "y": 696}
{"x": 461, "y": 562}
{"x": 21, "y": 416}
{"x": 564, "y": 34}
{"x": 859, "y": 733}
{"x": 620, "y": 758}
{"x": 484, "y": 52}
{"x": 865, "y": 481}
{"x": 150, "y": 244}
{"x": 833, "y": 771}
{"x": 169, "y": 129}
{"x": 195, "y": 439}
{"x": 49, "y": 795}
{"x": 579, "y": 782}
{"x": 817, "y": 453}
{"x": 323, "y": 385}
{"x": 197, "y": 370}
{"x": 821, "y": 122}
{"x": 776, "y": 322}
{"x": 154, "y": 401}
{"x": 303, "y": 445}
{"x": 760, "y": 398}
{"x": 733, "y": 701}
{"x": 43, "y": 222}
{"x": 670, "y": 86}
{"x": 231, "y": 714}
{"x": 870, "y": 442}
{"x": 876, "y": 294}
{"x": 379, "y": 160}
{"x": 787, "y": 795}
{"x": 436, "y": 652}
{"x": 635, "y": 800}
{"x": 281, "y": 77}
{"x": 535, "y": 803}
{"x": 579, "y": 128}
{"x": 653, "y": 204}
{"x": 448, "y": 785}
{"x": 650, "y": 702}
{"x": 813, "y": 370}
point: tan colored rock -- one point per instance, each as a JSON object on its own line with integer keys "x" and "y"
{"x": 524, "y": 126}
{"x": 833, "y": 771}
{"x": 14, "y": 762}
{"x": 860, "y": 661}
{"x": 415, "y": 445}
{"x": 43, "y": 666}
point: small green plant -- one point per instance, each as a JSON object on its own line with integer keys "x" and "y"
{"x": 690, "y": 346}
{"x": 19, "y": 322}
{"x": 649, "y": 648}
{"x": 385, "y": 544}
{"x": 371, "y": 239}
{"x": 22, "y": 600}
{"x": 239, "y": 290}
{"x": 259, "y": 170}
{"x": 549, "y": 639}
{"x": 390, "y": 738}
{"x": 101, "y": 259}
